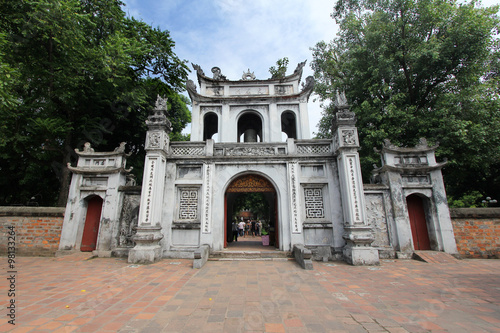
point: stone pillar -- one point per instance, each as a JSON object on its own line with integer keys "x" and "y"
{"x": 357, "y": 231}
{"x": 148, "y": 249}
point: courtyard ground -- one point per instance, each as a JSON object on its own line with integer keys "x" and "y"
{"x": 78, "y": 294}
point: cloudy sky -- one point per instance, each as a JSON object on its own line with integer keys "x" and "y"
{"x": 237, "y": 35}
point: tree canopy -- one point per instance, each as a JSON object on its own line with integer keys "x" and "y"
{"x": 255, "y": 202}
{"x": 77, "y": 71}
{"x": 279, "y": 71}
{"x": 419, "y": 68}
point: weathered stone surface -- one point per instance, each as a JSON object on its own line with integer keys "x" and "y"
{"x": 201, "y": 256}
{"x": 303, "y": 256}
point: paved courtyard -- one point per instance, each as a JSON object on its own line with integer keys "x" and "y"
{"x": 74, "y": 294}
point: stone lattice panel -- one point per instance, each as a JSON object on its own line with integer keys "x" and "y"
{"x": 313, "y": 149}
{"x": 188, "y": 204}
{"x": 188, "y": 151}
{"x": 314, "y": 203}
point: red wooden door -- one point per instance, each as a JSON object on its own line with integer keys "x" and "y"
{"x": 418, "y": 223}
{"x": 277, "y": 234}
{"x": 225, "y": 221}
{"x": 91, "y": 228}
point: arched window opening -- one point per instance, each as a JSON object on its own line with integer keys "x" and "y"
{"x": 289, "y": 125}
{"x": 210, "y": 125}
{"x": 250, "y": 128}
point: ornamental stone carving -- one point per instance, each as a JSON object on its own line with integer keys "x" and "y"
{"x": 191, "y": 86}
{"x": 198, "y": 69}
{"x": 218, "y": 74}
{"x": 300, "y": 66}
{"x": 313, "y": 198}
{"x": 341, "y": 101}
{"x": 154, "y": 140}
{"x": 250, "y": 151}
{"x": 87, "y": 148}
{"x": 158, "y": 119}
{"x": 129, "y": 220}
{"x": 376, "y": 217}
{"x": 349, "y": 137}
{"x": 248, "y": 76}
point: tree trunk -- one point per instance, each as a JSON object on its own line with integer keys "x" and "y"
{"x": 65, "y": 174}
{"x": 64, "y": 181}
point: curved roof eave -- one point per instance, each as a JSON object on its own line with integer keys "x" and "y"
{"x": 295, "y": 76}
{"x": 195, "y": 96}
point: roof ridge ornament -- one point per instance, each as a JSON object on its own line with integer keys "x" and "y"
{"x": 218, "y": 74}
{"x": 158, "y": 119}
{"x": 248, "y": 76}
{"x": 198, "y": 69}
{"x": 341, "y": 101}
{"x": 300, "y": 66}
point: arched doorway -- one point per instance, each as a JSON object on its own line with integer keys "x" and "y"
{"x": 91, "y": 227}
{"x": 288, "y": 124}
{"x": 251, "y": 183}
{"x": 250, "y": 128}
{"x": 418, "y": 222}
{"x": 210, "y": 125}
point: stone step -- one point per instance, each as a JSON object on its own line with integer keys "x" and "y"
{"x": 250, "y": 259}
{"x": 434, "y": 257}
{"x": 249, "y": 255}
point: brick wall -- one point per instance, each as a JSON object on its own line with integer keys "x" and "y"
{"x": 38, "y": 229}
{"x": 477, "y": 232}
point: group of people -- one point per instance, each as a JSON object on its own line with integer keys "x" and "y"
{"x": 250, "y": 228}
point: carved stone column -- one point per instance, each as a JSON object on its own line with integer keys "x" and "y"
{"x": 147, "y": 248}
{"x": 357, "y": 231}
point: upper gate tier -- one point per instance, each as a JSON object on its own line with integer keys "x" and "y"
{"x": 249, "y": 109}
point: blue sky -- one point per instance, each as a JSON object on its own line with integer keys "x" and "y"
{"x": 237, "y": 35}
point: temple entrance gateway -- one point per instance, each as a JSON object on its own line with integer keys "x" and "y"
{"x": 251, "y": 183}
{"x": 250, "y": 137}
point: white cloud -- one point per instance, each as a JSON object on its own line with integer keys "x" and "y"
{"x": 237, "y": 35}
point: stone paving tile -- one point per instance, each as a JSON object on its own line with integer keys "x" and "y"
{"x": 73, "y": 294}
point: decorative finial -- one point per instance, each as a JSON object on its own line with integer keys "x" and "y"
{"x": 159, "y": 119}
{"x": 248, "y": 75}
{"x": 87, "y": 148}
{"x": 218, "y": 74}
{"x": 160, "y": 104}
{"x": 422, "y": 143}
{"x": 300, "y": 66}
{"x": 198, "y": 69}
{"x": 341, "y": 101}
{"x": 121, "y": 148}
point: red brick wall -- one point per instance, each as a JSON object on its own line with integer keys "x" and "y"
{"x": 477, "y": 232}
{"x": 37, "y": 229}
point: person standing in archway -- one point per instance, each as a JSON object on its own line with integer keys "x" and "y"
{"x": 241, "y": 227}
{"x": 247, "y": 228}
{"x": 235, "y": 231}
{"x": 254, "y": 228}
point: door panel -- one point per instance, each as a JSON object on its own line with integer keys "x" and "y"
{"x": 418, "y": 223}
{"x": 91, "y": 228}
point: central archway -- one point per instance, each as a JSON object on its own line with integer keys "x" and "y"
{"x": 251, "y": 183}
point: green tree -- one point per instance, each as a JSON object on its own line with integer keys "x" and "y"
{"x": 85, "y": 72}
{"x": 279, "y": 71}
{"x": 255, "y": 202}
{"x": 411, "y": 69}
